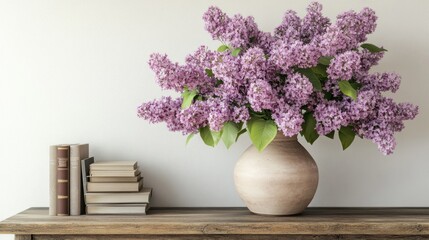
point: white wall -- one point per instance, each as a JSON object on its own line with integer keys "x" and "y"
{"x": 75, "y": 71}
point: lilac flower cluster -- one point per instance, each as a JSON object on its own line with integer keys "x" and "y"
{"x": 280, "y": 77}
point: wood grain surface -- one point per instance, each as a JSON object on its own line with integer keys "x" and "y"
{"x": 220, "y": 221}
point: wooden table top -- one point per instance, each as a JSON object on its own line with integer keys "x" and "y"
{"x": 393, "y": 221}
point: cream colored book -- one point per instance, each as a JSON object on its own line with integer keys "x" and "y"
{"x": 117, "y": 208}
{"x": 115, "y": 187}
{"x": 114, "y": 165}
{"x": 97, "y": 173}
{"x": 143, "y": 196}
{"x": 114, "y": 179}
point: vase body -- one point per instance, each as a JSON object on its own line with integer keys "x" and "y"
{"x": 280, "y": 180}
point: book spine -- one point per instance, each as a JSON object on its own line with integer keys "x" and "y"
{"x": 53, "y": 180}
{"x": 63, "y": 200}
{"x": 77, "y": 153}
{"x": 75, "y": 180}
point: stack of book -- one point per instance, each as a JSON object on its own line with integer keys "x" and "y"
{"x": 65, "y": 187}
{"x": 115, "y": 187}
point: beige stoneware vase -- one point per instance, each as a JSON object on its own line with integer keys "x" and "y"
{"x": 281, "y": 180}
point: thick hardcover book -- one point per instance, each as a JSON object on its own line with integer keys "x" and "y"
{"x": 63, "y": 194}
{"x": 117, "y": 208}
{"x": 115, "y": 179}
{"x": 143, "y": 196}
{"x": 129, "y": 173}
{"x": 115, "y": 187}
{"x": 114, "y": 165}
{"x": 53, "y": 180}
{"x": 77, "y": 153}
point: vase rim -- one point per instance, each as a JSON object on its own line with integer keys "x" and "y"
{"x": 281, "y": 137}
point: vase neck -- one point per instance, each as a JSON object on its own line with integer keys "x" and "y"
{"x": 282, "y": 138}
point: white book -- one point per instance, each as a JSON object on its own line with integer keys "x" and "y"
{"x": 111, "y": 173}
{"x": 143, "y": 196}
{"x": 117, "y": 208}
{"x": 114, "y": 165}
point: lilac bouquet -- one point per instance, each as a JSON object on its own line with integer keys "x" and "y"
{"x": 309, "y": 77}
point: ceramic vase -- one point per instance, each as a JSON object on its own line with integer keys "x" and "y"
{"x": 280, "y": 180}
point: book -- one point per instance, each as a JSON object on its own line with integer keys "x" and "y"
{"x": 53, "y": 180}
{"x": 115, "y": 187}
{"x": 114, "y": 165}
{"x": 117, "y": 208}
{"x": 114, "y": 179}
{"x": 77, "y": 153}
{"x": 131, "y": 173}
{"x": 63, "y": 194}
{"x": 85, "y": 163}
{"x": 143, "y": 196}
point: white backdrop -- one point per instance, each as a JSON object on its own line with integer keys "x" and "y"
{"x": 75, "y": 71}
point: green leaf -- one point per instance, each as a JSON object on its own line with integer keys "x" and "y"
{"x": 325, "y": 60}
{"x": 216, "y": 136}
{"x": 218, "y": 82}
{"x": 240, "y": 133}
{"x": 355, "y": 85}
{"x": 312, "y": 77}
{"x": 229, "y": 133}
{"x": 188, "y": 97}
{"x": 372, "y": 48}
{"x": 330, "y": 135}
{"x": 235, "y": 52}
{"x": 329, "y": 96}
{"x": 320, "y": 70}
{"x": 347, "y": 89}
{"x": 309, "y": 128}
{"x": 347, "y": 135}
{"x": 262, "y": 132}
{"x": 209, "y": 72}
{"x": 190, "y": 136}
{"x": 223, "y": 48}
{"x": 206, "y": 135}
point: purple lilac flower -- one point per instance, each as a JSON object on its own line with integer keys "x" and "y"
{"x": 286, "y": 55}
{"x": 160, "y": 110}
{"x": 254, "y": 64}
{"x": 261, "y": 96}
{"x": 329, "y": 117}
{"x": 203, "y": 58}
{"x": 264, "y": 40}
{"x": 166, "y": 72}
{"x": 165, "y": 109}
{"x": 362, "y": 107}
{"x": 288, "y": 119}
{"x": 387, "y": 119}
{"x": 332, "y": 41}
{"x": 290, "y": 28}
{"x": 298, "y": 89}
{"x": 357, "y": 25}
{"x": 240, "y": 114}
{"x": 382, "y": 81}
{"x": 194, "y": 117}
{"x": 368, "y": 60}
{"x": 240, "y": 30}
{"x": 264, "y": 76}
{"x": 314, "y": 23}
{"x": 216, "y": 22}
{"x": 344, "y": 65}
{"x": 332, "y": 87}
{"x": 227, "y": 68}
{"x": 219, "y": 113}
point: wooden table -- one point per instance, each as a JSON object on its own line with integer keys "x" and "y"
{"x": 225, "y": 223}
